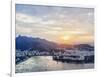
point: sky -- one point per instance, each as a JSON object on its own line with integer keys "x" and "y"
{"x": 63, "y": 25}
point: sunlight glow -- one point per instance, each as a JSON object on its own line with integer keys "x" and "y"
{"x": 65, "y": 38}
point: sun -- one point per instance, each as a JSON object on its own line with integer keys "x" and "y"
{"x": 65, "y": 38}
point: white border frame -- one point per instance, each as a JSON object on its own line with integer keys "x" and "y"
{"x": 38, "y": 2}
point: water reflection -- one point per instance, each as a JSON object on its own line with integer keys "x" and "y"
{"x": 46, "y": 63}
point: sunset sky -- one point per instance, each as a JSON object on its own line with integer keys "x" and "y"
{"x": 64, "y": 25}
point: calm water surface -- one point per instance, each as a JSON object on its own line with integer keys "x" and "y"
{"x": 45, "y": 63}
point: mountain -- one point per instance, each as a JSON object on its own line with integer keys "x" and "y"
{"x": 81, "y": 47}
{"x": 86, "y": 47}
{"x": 30, "y": 43}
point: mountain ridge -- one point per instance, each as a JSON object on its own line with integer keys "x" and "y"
{"x": 30, "y": 43}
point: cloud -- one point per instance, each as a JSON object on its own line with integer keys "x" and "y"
{"x": 26, "y": 18}
{"x": 51, "y": 22}
{"x": 23, "y": 30}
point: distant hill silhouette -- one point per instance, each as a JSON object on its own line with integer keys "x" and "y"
{"x": 84, "y": 47}
{"x": 30, "y": 43}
